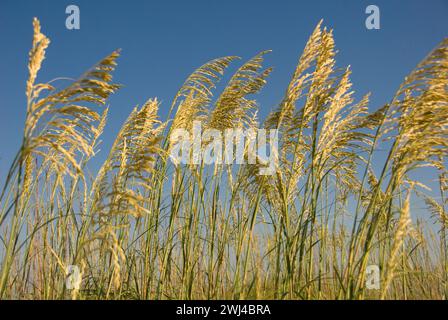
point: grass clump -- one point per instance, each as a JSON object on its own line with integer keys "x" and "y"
{"x": 145, "y": 228}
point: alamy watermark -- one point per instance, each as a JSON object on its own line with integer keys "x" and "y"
{"x": 73, "y": 21}
{"x": 373, "y": 277}
{"x": 373, "y": 18}
{"x": 73, "y": 278}
{"x": 231, "y": 146}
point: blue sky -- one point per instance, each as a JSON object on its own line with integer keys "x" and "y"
{"x": 163, "y": 41}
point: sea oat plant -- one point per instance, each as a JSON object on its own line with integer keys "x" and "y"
{"x": 145, "y": 227}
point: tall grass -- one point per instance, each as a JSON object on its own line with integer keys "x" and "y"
{"x": 145, "y": 228}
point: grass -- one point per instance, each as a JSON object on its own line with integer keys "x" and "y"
{"x": 144, "y": 228}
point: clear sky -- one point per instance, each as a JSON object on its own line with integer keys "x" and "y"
{"x": 163, "y": 41}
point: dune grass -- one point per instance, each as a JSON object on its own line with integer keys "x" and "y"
{"x": 145, "y": 228}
